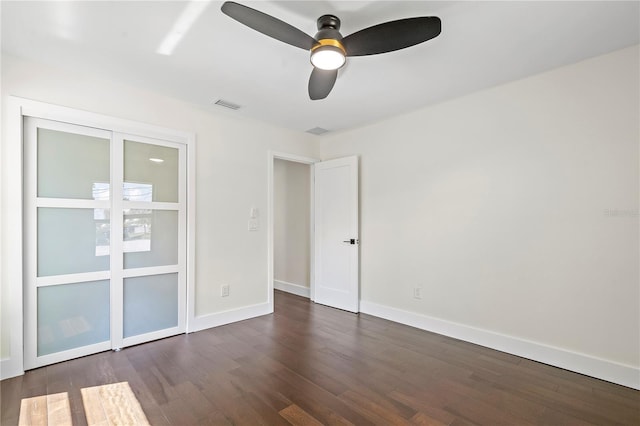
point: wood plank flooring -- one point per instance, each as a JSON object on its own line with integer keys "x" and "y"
{"x": 309, "y": 364}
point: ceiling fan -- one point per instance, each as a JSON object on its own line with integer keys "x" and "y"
{"x": 328, "y": 48}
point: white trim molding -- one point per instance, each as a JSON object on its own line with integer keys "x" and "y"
{"x": 296, "y": 289}
{"x": 217, "y": 319}
{"x": 621, "y": 374}
{"x": 10, "y": 367}
{"x": 12, "y": 236}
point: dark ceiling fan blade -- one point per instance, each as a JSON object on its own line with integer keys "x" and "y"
{"x": 321, "y": 82}
{"x": 268, "y": 25}
{"x": 393, "y": 35}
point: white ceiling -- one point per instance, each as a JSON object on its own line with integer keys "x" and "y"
{"x": 482, "y": 44}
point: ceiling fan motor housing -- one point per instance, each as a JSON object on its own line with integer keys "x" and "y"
{"x": 328, "y": 28}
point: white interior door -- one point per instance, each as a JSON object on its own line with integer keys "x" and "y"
{"x": 105, "y": 240}
{"x": 336, "y": 233}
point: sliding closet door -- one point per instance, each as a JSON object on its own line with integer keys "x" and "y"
{"x": 150, "y": 272}
{"x": 105, "y": 239}
{"x": 67, "y": 263}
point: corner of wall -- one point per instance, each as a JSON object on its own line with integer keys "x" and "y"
{"x": 227, "y": 317}
{"x": 296, "y": 289}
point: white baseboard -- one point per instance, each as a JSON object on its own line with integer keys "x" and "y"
{"x": 227, "y": 317}
{"x": 595, "y": 367}
{"x": 10, "y": 368}
{"x": 298, "y": 289}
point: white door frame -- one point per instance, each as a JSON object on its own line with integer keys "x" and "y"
{"x": 272, "y": 156}
{"x": 13, "y": 223}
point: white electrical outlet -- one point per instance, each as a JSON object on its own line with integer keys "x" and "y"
{"x": 417, "y": 292}
{"x": 224, "y": 290}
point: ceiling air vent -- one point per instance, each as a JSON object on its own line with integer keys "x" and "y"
{"x": 227, "y": 104}
{"x": 317, "y": 131}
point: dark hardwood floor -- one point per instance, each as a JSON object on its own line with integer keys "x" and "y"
{"x": 308, "y": 364}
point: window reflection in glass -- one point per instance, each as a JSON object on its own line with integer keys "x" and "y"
{"x": 134, "y": 191}
{"x": 137, "y": 222}
{"x": 103, "y": 232}
{"x": 100, "y": 191}
{"x": 162, "y": 250}
{"x": 137, "y": 230}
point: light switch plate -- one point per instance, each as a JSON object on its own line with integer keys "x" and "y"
{"x": 417, "y": 292}
{"x": 253, "y": 225}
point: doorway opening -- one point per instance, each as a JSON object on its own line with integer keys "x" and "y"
{"x": 333, "y": 244}
{"x": 291, "y": 224}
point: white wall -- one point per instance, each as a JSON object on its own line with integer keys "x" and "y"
{"x": 291, "y": 205}
{"x": 232, "y": 162}
{"x": 516, "y": 211}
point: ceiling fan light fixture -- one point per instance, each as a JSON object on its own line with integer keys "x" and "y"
{"x": 327, "y": 47}
{"x": 328, "y": 54}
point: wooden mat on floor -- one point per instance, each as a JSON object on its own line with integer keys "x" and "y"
{"x": 45, "y": 410}
{"x": 113, "y": 404}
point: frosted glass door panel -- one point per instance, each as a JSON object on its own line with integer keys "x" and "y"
{"x": 150, "y": 304}
{"x": 72, "y": 315}
{"x": 72, "y": 166}
{"x": 150, "y": 172}
{"x": 72, "y": 241}
{"x": 150, "y": 238}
